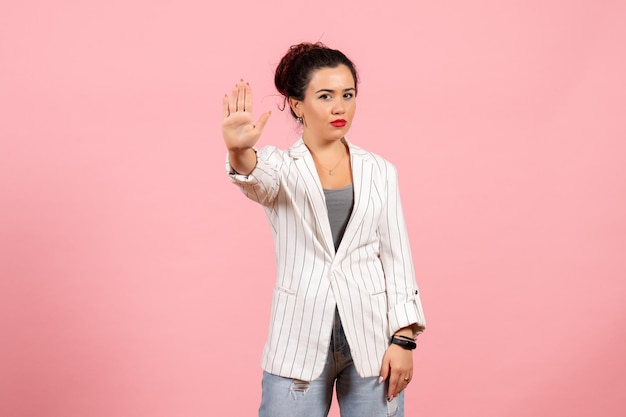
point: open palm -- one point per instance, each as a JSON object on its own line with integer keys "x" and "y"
{"x": 238, "y": 127}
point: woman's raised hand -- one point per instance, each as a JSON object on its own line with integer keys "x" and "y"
{"x": 238, "y": 127}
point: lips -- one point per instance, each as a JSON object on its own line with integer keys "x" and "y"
{"x": 338, "y": 123}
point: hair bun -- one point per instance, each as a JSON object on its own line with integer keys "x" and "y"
{"x": 305, "y": 47}
{"x": 294, "y": 53}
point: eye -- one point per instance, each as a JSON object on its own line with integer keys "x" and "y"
{"x": 348, "y": 95}
{"x": 324, "y": 97}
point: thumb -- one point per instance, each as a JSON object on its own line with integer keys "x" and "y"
{"x": 260, "y": 124}
{"x": 384, "y": 370}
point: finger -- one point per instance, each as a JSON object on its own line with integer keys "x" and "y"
{"x": 248, "y": 98}
{"x": 384, "y": 370}
{"x": 232, "y": 105}
{"x": 393, "y": 385}
{"x": 240, "y": 96}
{"x": 394, "y": 382}
{"x": 225, "y": 109}
{"x": 260, "y": 124}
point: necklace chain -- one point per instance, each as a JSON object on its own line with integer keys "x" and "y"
{"x": 330, "y": 171}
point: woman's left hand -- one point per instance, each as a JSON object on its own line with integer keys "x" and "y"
{"x": 398, "y": 367}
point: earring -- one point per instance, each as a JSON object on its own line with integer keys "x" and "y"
{"x": 299, "y": 120}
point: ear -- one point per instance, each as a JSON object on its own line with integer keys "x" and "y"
{"x": 295, "y": 106}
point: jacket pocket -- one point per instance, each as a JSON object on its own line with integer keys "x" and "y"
{"x": 285, "y": 290}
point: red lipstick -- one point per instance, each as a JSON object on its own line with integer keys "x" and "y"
{"x": 338, "y": 123}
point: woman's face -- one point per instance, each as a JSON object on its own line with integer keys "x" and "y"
{"x": 329, "y": 104}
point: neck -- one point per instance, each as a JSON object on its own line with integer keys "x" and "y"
{"x": 325, "y": 147}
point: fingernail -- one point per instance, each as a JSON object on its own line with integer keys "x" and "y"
{"x": 390, "y": 399}
{"x": 380, "y": 379}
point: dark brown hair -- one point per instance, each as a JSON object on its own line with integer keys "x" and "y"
{"x": 296, "y": 68}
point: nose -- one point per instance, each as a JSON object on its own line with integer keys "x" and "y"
{"x": 338, "y": 108}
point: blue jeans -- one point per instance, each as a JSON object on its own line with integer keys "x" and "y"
{"x": 357, "y": 397}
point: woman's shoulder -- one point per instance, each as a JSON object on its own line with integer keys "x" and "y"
{"x": 381, "y": 162}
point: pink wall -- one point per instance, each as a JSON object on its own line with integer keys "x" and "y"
{"x": 129, "y": 264}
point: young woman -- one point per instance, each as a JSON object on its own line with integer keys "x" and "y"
{"x": 345, "y": 308}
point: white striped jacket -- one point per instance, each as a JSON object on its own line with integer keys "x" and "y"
{"x": 370, "y": 278}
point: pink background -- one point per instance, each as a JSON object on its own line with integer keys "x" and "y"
{"x": 136, "y": 281}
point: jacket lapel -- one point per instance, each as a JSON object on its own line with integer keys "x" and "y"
{"x": 362, "y": 181}
{"x": 303, "y": 161}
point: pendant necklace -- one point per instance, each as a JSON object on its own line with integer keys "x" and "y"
{"x": 330, "y": 171}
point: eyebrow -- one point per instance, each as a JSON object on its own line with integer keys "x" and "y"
{"x": 326, "y": 90}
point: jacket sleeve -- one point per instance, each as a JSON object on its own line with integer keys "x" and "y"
{"x": 404, "y": 305}
{"x": 263, "y": 183}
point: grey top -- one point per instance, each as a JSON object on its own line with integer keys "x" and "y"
{"x": 339, "y": 203}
